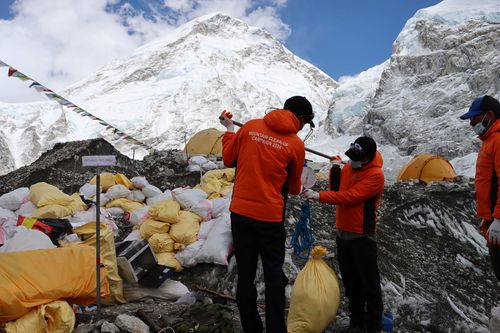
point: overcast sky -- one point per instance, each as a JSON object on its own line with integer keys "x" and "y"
{"x": 59, "y": 42}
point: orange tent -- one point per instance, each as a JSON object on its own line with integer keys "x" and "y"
{"x": 427, "y": 168}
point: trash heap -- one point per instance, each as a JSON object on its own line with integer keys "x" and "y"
{"x": 54, "y": 235}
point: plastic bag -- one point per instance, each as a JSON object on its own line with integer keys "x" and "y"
{"x": 315, "y": 296}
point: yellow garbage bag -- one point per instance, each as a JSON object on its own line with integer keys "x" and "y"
{"x": 166, "y": 211}
{"x": 315, "y": 296}
{"x": 77, "y": 203}
{"x": 186, "y": 231}
{"x": 54, "y": 317}
{"x": 151, "y": 227}
{"x": 108, "y": 258}
{"x": 32, "y": 278}
{"x": 125, "y": 204}
{"x": 52, "y": 212}
{"x": 218, "y": 181}
{"x": 161, "y": 243}
{"x": 42, "y": 194}
{"x": 106, "y": 180}
{"x": 168, "y": 259}
{"x": 122, "y": 179}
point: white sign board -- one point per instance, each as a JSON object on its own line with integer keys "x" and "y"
{"x": 99, "y": 160}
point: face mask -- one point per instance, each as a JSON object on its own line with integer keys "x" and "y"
{"x": 355, "y": 164}
{"x": 480, "y": 128}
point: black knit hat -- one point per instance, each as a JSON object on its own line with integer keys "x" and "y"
{"x": 364, "y": 147}
{"x": 301, "y": 107}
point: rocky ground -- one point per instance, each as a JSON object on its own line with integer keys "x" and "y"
{"x": 433, "y": 261}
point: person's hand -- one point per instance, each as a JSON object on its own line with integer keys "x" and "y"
{"x": 225, "y": 120}
{"x": 493, "y": 234}
{"x": 336, "y": 160}
{"x": 310, "y": 195}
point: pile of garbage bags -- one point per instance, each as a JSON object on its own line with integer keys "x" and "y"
{"x": 47, "y": 241}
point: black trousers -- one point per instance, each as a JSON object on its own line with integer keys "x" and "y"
{"x": 361, "y": 279}
{"x": 252, "y": 238}
{"x": 495, "y": 260}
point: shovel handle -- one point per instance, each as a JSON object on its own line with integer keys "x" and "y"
{"x": 307, "y": 149}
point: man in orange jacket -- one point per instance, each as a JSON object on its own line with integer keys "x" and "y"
{"x": 357, "y": 198}
{"x": 483, "y": 117}
{"x": 269, "y": 158}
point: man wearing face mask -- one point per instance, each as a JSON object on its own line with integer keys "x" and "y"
{"x": 483, "y": 115}
{"x": 357, "y": 198}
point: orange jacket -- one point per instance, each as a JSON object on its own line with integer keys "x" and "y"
{"x": 269, "y": 158}
{"x": 358, "y": 197}
{"x": 487, "y": 171}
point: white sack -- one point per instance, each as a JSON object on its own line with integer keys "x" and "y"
{"x": 103, "y": 199}
{"x": 188, "y": 197}
{"x": 198, "y": 160}
{"x": 27, "y": 239}
{"x": 187, "y": 257}
{"x": 89, "y": 190}
{"x": 220, "y": 206}
{"x": 139, "y": 215}
{"x": 209, "y": 166}
{"x": 8, "y": 223}
{"x": 167, "y": 195}
{"x": 139, "y": 182}
{"x": 170, "y": 290}
{"x": 203, "y": 209}
{"x": 14, "y": 199}
{"x": 137, "y": 196}
{"x": 205, "y": 228}
{"x": 115, "y": 211}
{"x": 85, "y": 216}
{"x": 26, "y": 209}
{"x": 194, "y": 168}
{"x": 151, "y": 191}
{"x": 219, "y": 243}
{"x": 117, "y": 191}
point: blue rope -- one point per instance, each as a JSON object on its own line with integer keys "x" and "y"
{"x": 302, "y": 238}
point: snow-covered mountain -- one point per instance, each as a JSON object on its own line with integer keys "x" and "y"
{"x": 171, "y": 88}
{"x": 445, "y": 56}
{"x": 167, "y": 90}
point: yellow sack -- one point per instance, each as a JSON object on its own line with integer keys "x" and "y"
{"x": 125, "y": 204}
{"x": 32, "y": 278}
{"x": 168, "y": 259}
{"x": 218, "y": 181}
{"x": 166, "y": 211}
{"x": 54, "y": 317}
{"x": 161, "y": 243}
{"x": 52, "y": 212}
{"x": 77, "y": 204}
{"x": 122, "y": 179}
{"x": 151, "y": 227}
{"x": 42, "y": 194}
{"x": 186, "y": 231}
{"x": 315, "y": 296}
{"x": 108, "y": 258}
{"x": 106, "y": 180}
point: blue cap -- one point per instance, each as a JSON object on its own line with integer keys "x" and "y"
{"x": 474, "y": 110}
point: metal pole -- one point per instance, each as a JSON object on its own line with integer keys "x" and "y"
{"x": 307, "y": 149}
{"x": 98, "y": 243}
